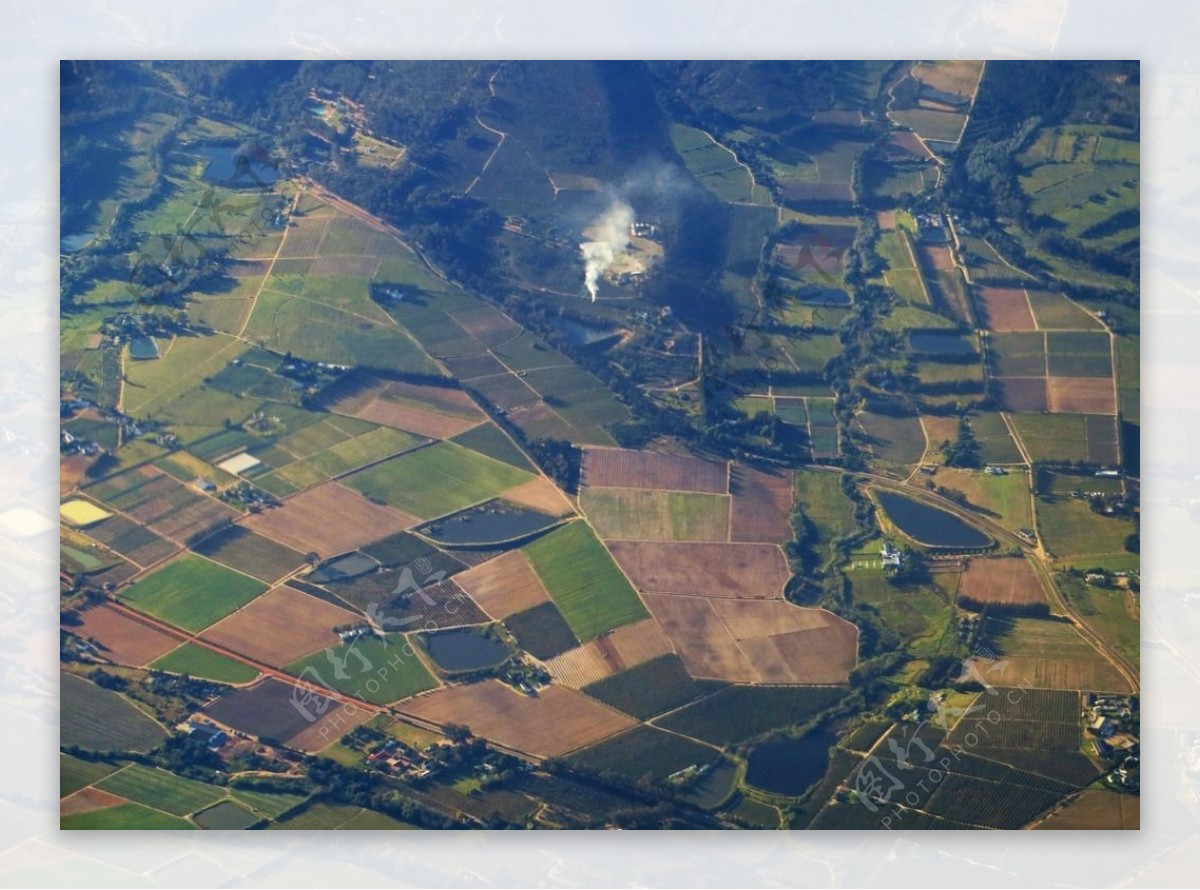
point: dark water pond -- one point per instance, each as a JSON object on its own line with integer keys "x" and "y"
{"x": 492, "y": 523}
{"x": 930, "y": 525}
{"x": 143, "y": 347}
{"x": 940, "y": 343}
{"x": 236, "y": 166}
{"x": 464, "y": 650}
{"x": 713, "y": 787}
{"x": 791, "y": 766}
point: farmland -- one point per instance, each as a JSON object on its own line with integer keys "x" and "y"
{"x": 118, "y": 637}
{"x": 241, "y": 549}
{"x": 100, "y": 720}
{"x": 302, "y": 523}
{"x": 653, "y": 687}
{"x": 641, "y": 514}
{"x": 645, "y": 750}
{"x": 160, "y": 789}
{"x": 169, "y": 593}
{"x": 129, "y": 816}
{"x": 541, "y": 631}
{"x": 197, "y": 661}
{"x": 280, "y": 627}
{"x": 503, "y": 585}
{"x": 378, "y": 670}
{"x": 1047, "y": 654}
{"x": 442, "y": 478}
{"x": 738, "y": 713}
{"x": 1097, "y": 810}
{"x": 1005, "y": 498}
{"x": 756, "y": 571}
{"x": 615, "y": 468}
{"x": 1077, "y": 535}
{"x": 582, "y": 580}
{"x": 277, "y": 710}
{"x": 1004, "y": 581}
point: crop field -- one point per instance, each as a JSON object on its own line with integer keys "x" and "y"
{"x": 439, "y": 604}
{"x": 1061, "y": 437}
{"x": 542, "y": 631}
{"x": 290, "y": 714}
{"x": 403, "y": 549}
{"x": 196, "y": 661}
{"x": 987, "y": 266}
{"x": 1073, "y": 533}
{"x": 337, "y": 460}
{"x": 185, "y": 362}
{"x": 1096, "y": 809}
{"x": 436, "y": 412}
{"x": 922, "y": 615}
{"x": 621, "y": 468}
{"x": 161, "y": 790}
{"x": 757, "y": 641}
{"x": 541, "y": 495}
{"x": 171, "y": 509}
{"x": 1081, "y": 395}
{"x": 908, "y": 285}
{"x": 128, "y": 816}
{"x": 954, "y": 76}
{"x": 241, "y": 549}
{"x": 119, "y": 638}
{"x": 378, "y": 670}
{"x": 941, "y": 126}
{"x": 896, "y": 180}
{"x": 75, "y": 773}
{"x": 1021, "y": 393}
{"x": 645, "y": 750}
{"x": 582, "y": 665}
{"x": 894, "y": 439}
{"x": 442, "y": 478}
{"x": 991, "y": 804}
{"x": 100, "y": 720}
{"x": 1055, "y": 312}
{"x": 823, "y": 501}
{"x": 281, "y": 626}
{"x": 302, "y": 523}
{"x": 635, "y": 643}
{"x": 1005, "y": 497}
{"x": 661, "y": 684}
{"x": 715, "y": 166}
{"x": 1004, "y": 309}
{"x": 1004, "y": 580}
{"x": 170, "y": 592}
{"x": 653, "y": 515}
{"x": 488, "y": 439}
{"x": 864, "y": 736}
{"x": 504, "y": 585}
{"x": 738, "y": 713}
{"x": 995, "y": 442}
{"x": 756, "y": 571}
{"x": 583, "y": 581}
{"x": 556, "y": 722}
{"x": 1046, "y": 654}
{"x": 762, "y": 505}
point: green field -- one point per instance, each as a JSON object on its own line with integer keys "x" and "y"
{"x": 584, "y": 582}
{"x": 821, "y": 497}
{"x": 1076, "y": 535}
{"x": 183, "y": 365}
{"x": 243, "y": 550}
{"x": 1053, "y": 437}
{"x": 737, "y": 713}
{"x": 942, "y": 126}
{"x": 378, "y": 670}
{"x": 1005, "y": 496}
{"x": 197, "y": 661}
{"x": 921, "y": 615}
{"x": 127, "y": 816}
{"x": 716, "y": 167}
{"x": 996, "y": 444}
{"x": 321, "y": 816}
{"x": 339, "y": 458}
{"x": 172, "y": 592}
{"x": 161, "y": 790}
{"x": 488, "y": 439}
{"x": 100, "y": 720}
{"x": 268, "y": 803}
{"x": 437, "y": 480}
{"x": 904, "y": 319}
{"x": 75, "y": 773}
{"x": 639, "y": 514}
{"x": 645, "y": 751}
{"x": 653, "y": 687}
{"x": 893, "y": 439}
{"x": 1055, "y": 312}
{"x": 1107, "y": 611}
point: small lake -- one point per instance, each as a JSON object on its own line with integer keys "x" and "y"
{"x": 492, "y": 523}
{"x": 229, "y": 165}
{"x": 143, "y": 348}
{"x": 579, "y": 334}
{"x": 455, "y": 651}
{"x": 712, "y": 789}
{"x": 929, "y": 525}
{"x": 940, "y": 343}
{"x": 72, "y": 243}
{"x": 791, "y": 766}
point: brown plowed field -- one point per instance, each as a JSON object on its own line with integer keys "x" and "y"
{"x": 1007, "y": 580}
{"x": 1022, "y": 393}
{"x": 756, "y": 571}
{"x": 329, "y": 519}
{"x": 122, "y": 639}
{"x": 935, "y": 257}
{"x": 582, "y": 665}
{"x": 1004, "y": 309}
{"x": 762, "y": 506}
{"x": 503, "y": 586}
{"x": 1081, "y": 395}
{"x": 622, "y": 468}
{"x": 434, "y": 411}
{"x": 555, "y": 722}
{"x": 634, "y": 643}
{"x": 86, "y": 800}
{"x": 280, "y": 626}
{"x": 539, "y": 494}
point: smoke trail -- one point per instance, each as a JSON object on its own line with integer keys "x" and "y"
{"x": 610, "y": 236}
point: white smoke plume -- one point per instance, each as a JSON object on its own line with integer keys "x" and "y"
{"x": 610, "y": 237}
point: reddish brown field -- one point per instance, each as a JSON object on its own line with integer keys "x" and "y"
{"x": 622, "y": 468}
{"x": 304, "y": 521}
{"x": 1082, "y": 395}
{"x": 907, "y": 140}
{"x": 1006, "y": 580}
{"x": 122, "y": 639}
{"x": 1049, "y": 672}
{"x": 539, "y": 494}
{"x": 762, "y": 506}
{"x": 885, "y": 219}
{"x": 173, "y": 510}
{"x": 935, "y": 256}
{"x": 1004, "y": 309}
{"x": 503, "y": 586}
{"x": 739, "y": 571}
{"x": 1096, "y": 809}
{"x": 634, "y": 643}
{"x": 70, "y": 472}
{"x": 556, "y": 722}
{"x": 280, "y": 626}
{"x": 582, "y": 665}
{"x": 431, "y": 411}
{"x": 1021, "y": 393}
{"x": 757, "y": 641}
{"x": 87, "y": 799}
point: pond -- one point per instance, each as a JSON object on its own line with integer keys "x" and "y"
{"x": 829, "y": 297}
{"x": 72, "y": 243}
{"x": 930, "y": 525}
{"x": 143, "y": 348}
{"x": 791, "y": 766}
{"x": 940, "y": 343}
{"x": 495, "y": 522}
{"x": 455, "y": 651}
{"x": 579, "y": 334}
{"x": 713, "y": 788}
{"x": 231, "y": 165}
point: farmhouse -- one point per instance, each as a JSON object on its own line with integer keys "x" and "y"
{"x": 211, "y": 736}
{"x": 891, "y": 557}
